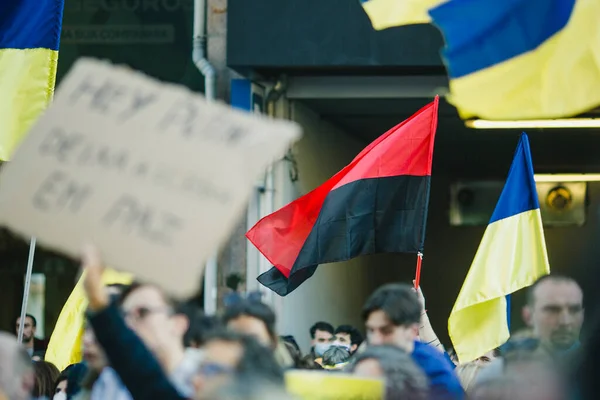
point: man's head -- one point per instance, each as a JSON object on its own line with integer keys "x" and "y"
{"x": 252, "y": 319}
{"x": 403, "y": 378}
{"x": 28, "y": 329}
{"x": 16, "y": 371}
{"x": 152, "y": 316}
{"x": 392, "y": 315}
{"x": 349, "y": 337}
{"x": 554, "y": 311}
{"x": 230, "y": 357}
{"x": 321, "y": 335}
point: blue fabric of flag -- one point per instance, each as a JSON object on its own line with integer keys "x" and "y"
{"x": 480, "y": 34}
{"x": 30, "y": 24}
{"x": 521, "y": 181}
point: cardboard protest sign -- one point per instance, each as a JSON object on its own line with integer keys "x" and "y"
{"x": 151, "y": 173}
{"x": 322, "y": 385}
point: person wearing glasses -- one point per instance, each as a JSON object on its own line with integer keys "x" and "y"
{"x": 140, "y": 356}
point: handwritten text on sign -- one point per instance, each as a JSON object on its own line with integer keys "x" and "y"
{"x": 151, "y": 173}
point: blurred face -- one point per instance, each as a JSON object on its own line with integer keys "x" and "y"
{"x": 380, "y": 330}
{"x": 220, "y": 361}
{"x": 92, "y": 352}
{"x": 28, "y": 331}
{"x": 151, "y": 318}
{"x": 322, "y": 337}
{"x": 368, "y": 368}
{"x": 557, "y": 313}
{"x": 251, "y": 326}
{"x": 344, "y": 340}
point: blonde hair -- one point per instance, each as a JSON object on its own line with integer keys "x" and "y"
{"x": 467, "y": 373}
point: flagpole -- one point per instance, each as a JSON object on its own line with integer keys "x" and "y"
{"x": 26, "y": 290}
{"x": 418, "y": 271}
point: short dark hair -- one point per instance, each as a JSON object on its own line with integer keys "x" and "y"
{"x": 551, "y": 277}
{"x": 253, "y": 309}
{"x": 398, "y": 301}
{"x": 257, "y": 361}
{"x": 33, "y": 320}
{"x": 233, "y": 281}
{"x": 355, "y": 336}
{"x": 321, "y": 326}
{"x": 200, "y": 324}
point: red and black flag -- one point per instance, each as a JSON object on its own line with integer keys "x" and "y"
{"x": 376, "y": 204}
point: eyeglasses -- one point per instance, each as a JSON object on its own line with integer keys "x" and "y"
{"x": 213, "y": 369}
{"x": 138, "y": 314}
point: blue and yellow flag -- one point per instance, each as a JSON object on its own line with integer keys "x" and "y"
{"x": 512, "y": 255}
{"x": 29, "y": 39}
{"x": 514, "y": 59}
{"x": 65, "y": 346}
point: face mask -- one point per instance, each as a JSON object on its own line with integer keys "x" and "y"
{"x": 321, "y": 348}
{"x": 60, "y": 396}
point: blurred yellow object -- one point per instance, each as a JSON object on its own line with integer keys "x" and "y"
{"x": 324, "y": 385}
{"x": 65, "y": 347}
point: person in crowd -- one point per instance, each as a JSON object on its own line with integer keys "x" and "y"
{"x": 554, "y": 313}
{"x": 258, "y": 320}
{"x": 392, "y": 315}
{"x": 99, "y": 379}
{"x": 233, "y": 283}
{"x": 528, "y": 374}
{"x": 153, "y": 316}
{"x": 17, "y": 378}
{"x": 224, "y": 354}
{"x": 201, "y": 326}
{"x": 45, "y": 378}
{"x": 61, "y": 384}
{"x": 349, "y": 337}
{"x": 36, "y": 348}
{"x": 230, "y": 356}
{"x": 77, "y": 374}
{"x": 336, "y": 358}
{"x": 403, "y": 378}
{"x": 321, "y": 338}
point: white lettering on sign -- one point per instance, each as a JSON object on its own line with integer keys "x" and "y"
{"x": 151, "y": 173}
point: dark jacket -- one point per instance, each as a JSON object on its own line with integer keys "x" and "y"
{"x": 130, "y": 358}
{"x": 444, "y": 384}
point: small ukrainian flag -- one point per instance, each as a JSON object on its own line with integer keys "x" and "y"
{"x": 512, "y": 255}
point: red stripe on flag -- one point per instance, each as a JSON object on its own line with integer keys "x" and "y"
{"x": 406, "y": 149}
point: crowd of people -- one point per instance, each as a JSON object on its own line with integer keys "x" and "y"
{"x": 139, "y": 343}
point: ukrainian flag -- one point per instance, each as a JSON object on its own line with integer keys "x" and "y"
{"x": 517, "y": 59}
{"x": 512, "y": 255}
{"x": 65, "y": 346}
{"x": 29, "y": 39}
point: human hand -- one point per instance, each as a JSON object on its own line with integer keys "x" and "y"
{"x": 93, "y": 269}
{"x": 421, "y": 297}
